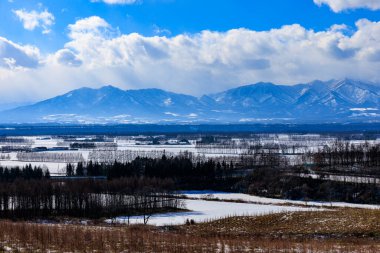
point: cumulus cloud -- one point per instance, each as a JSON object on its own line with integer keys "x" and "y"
{"x": 14, "y": 56}
{"x": 288, "y": 54}
{"x": 204, "y": 62}
{"x": 91, "y": 25}
{"x": 117, "y": 1}
{"x": 68, "y": 58}
{"x": 341, "y": 5}
{"x": 33, "y": 19}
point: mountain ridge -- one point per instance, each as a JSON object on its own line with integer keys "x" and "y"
{"x": 343, "y": 100}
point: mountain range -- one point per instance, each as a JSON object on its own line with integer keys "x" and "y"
{"x": 319, "y": 102}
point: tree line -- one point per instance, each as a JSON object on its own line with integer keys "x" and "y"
{"x": 344, "y": 154}
{"x": 50, "y": 157}
{"x": 27, "y": 173}
{"x": 24, "y": 199}
{"x": 278, "y": 183}
{"x": 180, "y": 168}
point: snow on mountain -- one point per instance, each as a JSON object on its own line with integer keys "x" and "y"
{"x": 331, "y": 101}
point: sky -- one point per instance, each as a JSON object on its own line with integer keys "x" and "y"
{"x": 50, "y": 47}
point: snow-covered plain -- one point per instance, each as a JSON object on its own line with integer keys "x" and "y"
{"x": 204, "y": 210}
{"x": 296, "y": 145}
{"x": 53, "y": 167}
{"x": 202, "y": 207}
{"x": 268, "y": 201}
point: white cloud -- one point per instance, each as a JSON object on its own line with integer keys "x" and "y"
{"x": 33, "y": 19}
{"x": 90, "y": 25}
{"x": 68, "y": 58}
{"x": 161, "y": 31}
{"x": 199, "y": 63}
{"x": 341, "y": 5}
{"x": 14, "y": 56}
{"x": 117, "y": 1}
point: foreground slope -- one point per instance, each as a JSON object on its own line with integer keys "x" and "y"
{"x": 342, "y": 230}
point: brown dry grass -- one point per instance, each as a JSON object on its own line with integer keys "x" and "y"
{"x": 340, "y": 223}
{"x": 357, "y": 230}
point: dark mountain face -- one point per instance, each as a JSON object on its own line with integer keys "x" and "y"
{"x": 344, "y": 100}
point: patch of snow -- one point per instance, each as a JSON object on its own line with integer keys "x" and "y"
{"x": 263, "y": 119}
{"x": 7, "y": 249}
{"x": 363, "y": 109}
{"x": 172, "y": 114}
{"x": 365, "y": 115}
{"x": 168, "y": 102}
{"x": 203, "y": 211}
{"x": 304, "y": 90}
{"x": 121, "y": 116}
{"x": 263, "y": 200}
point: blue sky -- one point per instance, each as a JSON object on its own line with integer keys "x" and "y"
{"x": 174, "y": 17}
{"x": 48, "y": 47}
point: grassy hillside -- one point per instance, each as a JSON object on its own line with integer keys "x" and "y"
{"x": 343, "y": 230}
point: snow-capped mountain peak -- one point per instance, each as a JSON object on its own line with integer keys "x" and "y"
{"x": 316, "y": 101}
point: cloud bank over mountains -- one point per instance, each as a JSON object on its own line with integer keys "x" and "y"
{"x": 209, "y": 61}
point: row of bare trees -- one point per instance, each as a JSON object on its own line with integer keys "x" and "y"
{"x": 124, "y": 156}
{"x": 4, "y": 140}
{"x": 23, "y": 199}
{"x": 345, "y": 154}
{"x": 64, "y": 157}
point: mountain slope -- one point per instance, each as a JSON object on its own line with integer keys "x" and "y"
{"x": 108, "y": 103}
{"x": 331, "y": 101}
{"x": 343, "y": 100}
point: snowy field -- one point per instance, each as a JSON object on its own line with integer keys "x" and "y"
{"x": 203, "y": 210}
{"x": 293, "y": 146}
{"x": 53, "y": 167}
{"x": 268, "y": 201}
